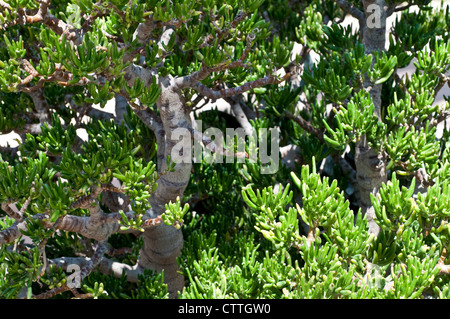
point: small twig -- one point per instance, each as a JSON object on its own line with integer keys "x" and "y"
{"x": 43, "y": 255}
{"x": 194, "y": 78}
{"x": 442, "y": 116}
{"x": 217, "y": 94}
{"x": 85, "y": 201}
{"x": 393, "y": 8}
{"x": 85, "y": 271}
{"x": 80, "y": 296}
{"x": 113, "y": 189}
{"x": 119, "y": 251}
{"x": 443, "y": 79}
{"x": 221, "y": 33}
{"x": 307, "y": 126}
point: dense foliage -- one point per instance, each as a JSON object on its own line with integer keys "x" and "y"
{"x": 299, "y": 232}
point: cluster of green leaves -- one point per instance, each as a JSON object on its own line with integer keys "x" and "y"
{"x": 410, "y": 104}
{"x": 174, "y": 214}
{"x": 150, "y": 286}
{"x": 411, "y": 140}
{"x": 354, "y": 120}
{"x": 53, "y": 140}
{"x": 26, "y": 179}
{"x": 279, "y": 233}
{"x": 350, "y": 65}
{"x": 396, "y": 208}
{"x": 12, "y": 105}
{"x": 148, "y": 95}
{"x": 413, "y": 30}
{"x": 52, "y": 176}
{"x": 22, "y": 269}
{"x": 223, "y": 255}
{"x": 403, "y": 132}
{"x": 111, "y": 151}
{"x": 338, "y": 257}
{"x": 222, "y": 259}
{"x": 10, "y": 72}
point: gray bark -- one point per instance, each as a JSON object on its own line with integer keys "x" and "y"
{"x": 162, "y": 244}
{"x": 370, "y": 166}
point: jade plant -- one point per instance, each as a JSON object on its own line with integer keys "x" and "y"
{"x": 256, "y": 149}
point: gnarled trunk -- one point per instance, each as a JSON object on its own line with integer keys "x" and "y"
{"x": 370, "y": 166}
{"x": 162, "y": 244}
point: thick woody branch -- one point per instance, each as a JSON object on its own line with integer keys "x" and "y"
{"x": 194, "y": 78}
{"x": 99, "y": 114}
{"x": 41, "y": 106}
{"x": 98, "y": 226}
{"x": 150, "y": 119}
{"x": 117, "y": 269}
{"x": 105, "y": 265}
{"x": 218, "y": 94}
{"x": 88, "y": 227}
{"x": 133, "y": 72}
{"x": 13, "y": 212}
{"x": 350, "y": 9}
{"x": 393, "y": 7}
{"x": 11, "y": 233}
